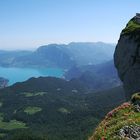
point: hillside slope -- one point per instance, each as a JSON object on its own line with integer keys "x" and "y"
{"x": 95, "y": 77}
{"x": 122, "y": 123}
{"x": 48, "y": 106}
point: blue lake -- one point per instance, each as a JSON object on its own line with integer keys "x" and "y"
{"x": 22, "y": 74}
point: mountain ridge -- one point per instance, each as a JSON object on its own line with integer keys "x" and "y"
{"x": 66, "y": 56}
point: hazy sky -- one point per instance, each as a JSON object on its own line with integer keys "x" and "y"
{"x": 26, "y": 24}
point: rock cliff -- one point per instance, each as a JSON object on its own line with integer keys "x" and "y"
{"x": 127, "y": 57}
{"x": 123, "y": 123}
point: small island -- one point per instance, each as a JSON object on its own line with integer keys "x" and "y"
{"x": 3, "y": 82}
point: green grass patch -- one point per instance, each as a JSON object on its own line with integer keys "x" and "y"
{"x": 131, "y": 26}
{"x": 63, "y": 110}
{"x": 13, "y": 124}
{"x": 29, "y": 94}
{"x": 32, "y": 110}
{"x": 2, "y": 135}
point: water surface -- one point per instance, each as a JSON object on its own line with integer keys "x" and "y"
{"x": 22, "y": 74}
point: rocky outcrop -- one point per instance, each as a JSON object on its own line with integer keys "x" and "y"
{"x": 122, "y": 123}
{"x": 130, "y": 132}
{"x": 127, "y": 57}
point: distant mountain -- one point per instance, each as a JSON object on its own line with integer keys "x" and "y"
{"x": 54, "y": 55}
{"x": 53, "y": 108}
{"x": 3, "y": 82}
{"x": 95, "y": 77}
{"x": 91, "y": 53}
{"x": 62, "y": 56}
{"x": 7, "y": 58}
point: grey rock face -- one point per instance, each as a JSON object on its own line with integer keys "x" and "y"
{"x": 127, "y": 60}
{"x": 123, "y": 56}
{"x": 130, "y": 132}
{"x": 137, "y": 108}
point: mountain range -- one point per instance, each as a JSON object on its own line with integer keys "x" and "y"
{"x": 59, "y": 55}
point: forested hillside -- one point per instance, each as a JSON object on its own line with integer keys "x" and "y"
{"x": 48, "y": 106}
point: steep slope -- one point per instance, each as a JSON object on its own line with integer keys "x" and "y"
{"x": 127, "y": 57}
{"x": 99, "y": 77}
{"x": 55, "y": 55}
{"x": 48, "y": 106}
{"x": 121, "y": 123}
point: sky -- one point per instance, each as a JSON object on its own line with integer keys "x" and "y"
{"x": 28, "y": 24}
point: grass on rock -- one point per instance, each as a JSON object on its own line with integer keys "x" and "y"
{"x": 114, "y": 121}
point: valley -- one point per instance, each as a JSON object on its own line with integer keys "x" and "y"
{"x": 58, "y": 60}
{"x": 65, "y": 74}
{"x": 47, "y": 98}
